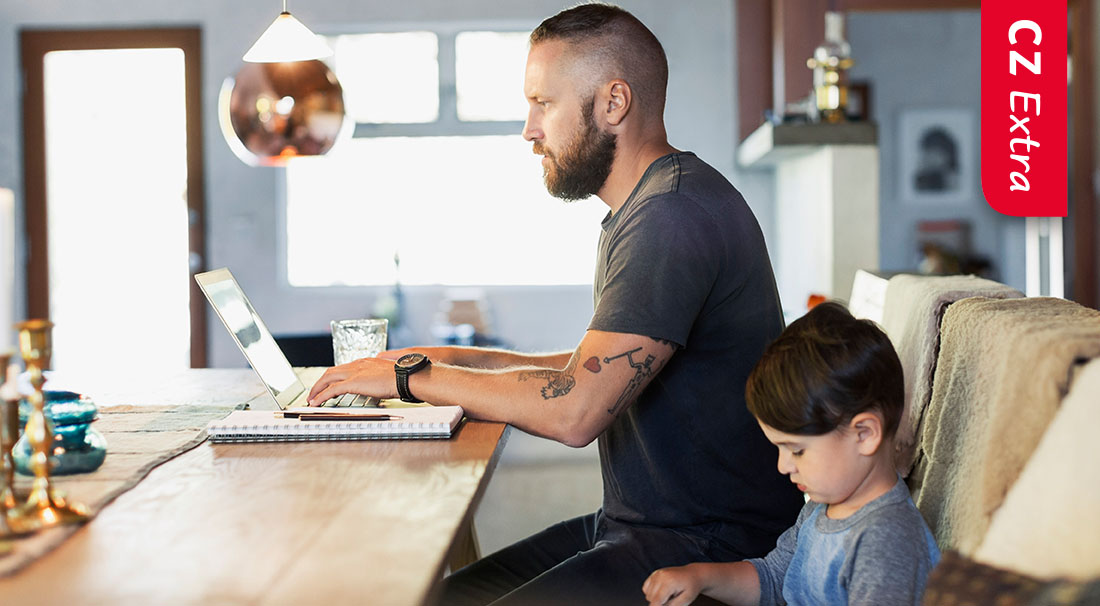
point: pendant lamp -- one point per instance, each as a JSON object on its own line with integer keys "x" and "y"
{"x": 286, "y": 39}
{"x": 283, "y": 102}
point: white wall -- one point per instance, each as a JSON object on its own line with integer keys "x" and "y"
{"x": 925, "y": 60}
{"x": 827, "y": 204}
{"x": 242, "y": 203}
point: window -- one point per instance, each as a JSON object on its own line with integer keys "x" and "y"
{"x": 401, "y": 90}
{"x": 92, "y": 98}
{"x": 489, "y": 75}
{"x": 436, "y": 173}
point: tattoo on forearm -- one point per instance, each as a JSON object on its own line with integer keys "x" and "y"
{"x": 642, "y": 372}
{"x": 559, "y": 382}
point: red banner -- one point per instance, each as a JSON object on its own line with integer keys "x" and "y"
{"x": 1024, "y": 81}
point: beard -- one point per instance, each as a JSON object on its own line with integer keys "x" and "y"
{"x": 581, "y": 169}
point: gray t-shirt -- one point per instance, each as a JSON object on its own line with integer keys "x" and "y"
{"x": 879, "y": 556}
{"x": 684, "y": 260}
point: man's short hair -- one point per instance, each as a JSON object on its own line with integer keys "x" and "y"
{"x": 618, "y": 42}
{"x": 822, "y": 371}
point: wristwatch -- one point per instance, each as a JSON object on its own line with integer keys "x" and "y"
{"x": 405, "y": 366}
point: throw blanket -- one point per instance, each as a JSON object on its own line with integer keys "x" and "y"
{"x": 911, "y": 317}
{"x": 1003, "y": 368}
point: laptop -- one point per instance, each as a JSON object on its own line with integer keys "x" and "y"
{"x": 260, "y": 348}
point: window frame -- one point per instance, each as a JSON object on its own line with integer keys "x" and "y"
{"x": 34, "y": 45}
{"x": 447, "y": 124}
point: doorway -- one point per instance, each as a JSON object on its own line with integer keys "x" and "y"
{"x": 114, "y": 196}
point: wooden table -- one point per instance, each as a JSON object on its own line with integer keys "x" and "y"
{"x": 277, "y": 523}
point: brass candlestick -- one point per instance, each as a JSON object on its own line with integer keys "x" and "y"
{"x": 829, "y": 62}
{"x": 9, "y": 433}
{"x": 45, "y": 506}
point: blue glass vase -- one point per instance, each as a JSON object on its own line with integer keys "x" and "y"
{"x": 78, "y": 447}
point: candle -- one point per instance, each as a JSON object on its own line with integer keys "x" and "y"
{"x": 7, "y": 269}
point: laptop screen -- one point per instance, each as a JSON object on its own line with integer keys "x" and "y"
{"x": 251, "y": 335}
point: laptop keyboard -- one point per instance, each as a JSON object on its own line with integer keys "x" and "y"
{"x": 346, "y": 400}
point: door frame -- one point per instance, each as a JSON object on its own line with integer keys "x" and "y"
{"x": 34, "y": 44}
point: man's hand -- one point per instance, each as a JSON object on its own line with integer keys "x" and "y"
{"x": 367, "y": 376}
{"x": 677, "y": 586}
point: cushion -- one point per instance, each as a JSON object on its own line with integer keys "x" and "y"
{"x": 1048, "y": 525}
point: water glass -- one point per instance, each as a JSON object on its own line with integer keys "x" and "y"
{"x": 354, "y": 339}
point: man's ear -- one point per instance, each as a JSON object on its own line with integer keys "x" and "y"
{"x": 617, "y": 101}
{"x": 866, "y": 428}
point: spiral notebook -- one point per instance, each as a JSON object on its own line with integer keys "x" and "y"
{"x": 393, "y": 423}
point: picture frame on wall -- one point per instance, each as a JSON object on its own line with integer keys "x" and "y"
{"x": 936, "y": 156}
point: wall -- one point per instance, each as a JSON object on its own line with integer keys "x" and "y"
{"x": 243, "y": 204}
{"x": 926, "y": 60}
{"x": 827, "y": 204}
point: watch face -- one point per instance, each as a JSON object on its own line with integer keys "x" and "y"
{"x": 410, "y": 360}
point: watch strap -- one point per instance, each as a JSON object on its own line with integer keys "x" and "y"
{"x": 403, "y": 386}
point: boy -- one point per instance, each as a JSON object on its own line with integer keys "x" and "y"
{"x": 829, "y": 394}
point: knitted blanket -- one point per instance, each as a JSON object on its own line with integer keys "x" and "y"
{"x": 1003, "y": 369}
{"x": 911, "y": 317}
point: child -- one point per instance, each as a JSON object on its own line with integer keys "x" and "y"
{"x": 829, "y": 394}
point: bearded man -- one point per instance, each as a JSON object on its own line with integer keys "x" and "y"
{"x": 685, "y": 302}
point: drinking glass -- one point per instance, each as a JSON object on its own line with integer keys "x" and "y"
{"x": 354, "y": 339}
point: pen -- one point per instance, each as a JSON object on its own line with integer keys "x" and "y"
{"x": 321, "y": 416}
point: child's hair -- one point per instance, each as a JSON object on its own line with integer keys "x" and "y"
{"x": 822, "y": 371}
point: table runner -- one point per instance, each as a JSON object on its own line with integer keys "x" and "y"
{"x": 139, "y": 438}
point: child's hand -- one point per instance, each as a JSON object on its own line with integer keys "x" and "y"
{"x": 676, "y": 586}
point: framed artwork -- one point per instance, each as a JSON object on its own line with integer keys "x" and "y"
{"x": 937, "y": 155}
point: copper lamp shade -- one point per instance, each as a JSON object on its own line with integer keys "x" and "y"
{"x": 271, "y": 112}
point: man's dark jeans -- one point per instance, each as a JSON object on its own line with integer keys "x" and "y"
{"x": 586, "y": 560}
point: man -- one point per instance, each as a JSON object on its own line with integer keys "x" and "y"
{"x": 685, "y": 303}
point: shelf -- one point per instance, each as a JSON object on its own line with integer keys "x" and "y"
{"x": 771, "y": 144}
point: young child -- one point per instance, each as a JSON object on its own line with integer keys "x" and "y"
{"x": 829, "y": 394}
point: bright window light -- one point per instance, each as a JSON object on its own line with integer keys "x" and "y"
{"x": 458, "y": 210}
{"x": 116, "y": 144}
{"x": 489, "y": 75}
{"x": 389, "y": 78}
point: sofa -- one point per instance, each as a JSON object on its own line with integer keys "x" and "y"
{"x": 997, "y": 442}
